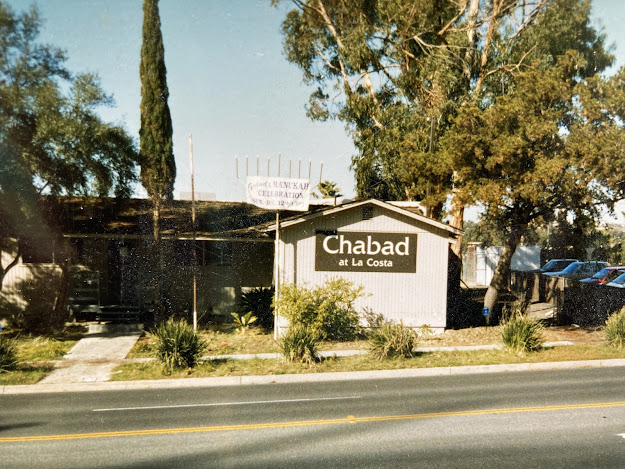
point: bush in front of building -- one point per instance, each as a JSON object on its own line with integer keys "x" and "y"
{"x": 260, "y": 302}
{"x": 614, "y": 329}
{"x": 299, "y": 344}
{"x": 8, "y": 354}
{"x": 519, "y": 333}
{"x": 392, "y": 340}
{"x": 178, "y": 345}
{"x": 328, "y": 308}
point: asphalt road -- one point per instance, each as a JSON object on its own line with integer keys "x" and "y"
{"x": 573, "y": 418}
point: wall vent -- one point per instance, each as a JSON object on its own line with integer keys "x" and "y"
{"x": 367, "y": 212}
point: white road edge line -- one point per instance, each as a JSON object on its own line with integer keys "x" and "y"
{"x": 221, "y": 404}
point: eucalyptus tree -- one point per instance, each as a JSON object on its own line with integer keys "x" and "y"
{"x": 396, "y": 71}
{"x": 527, "y": 157}
{"x": 158, "y": 166}
{"x": 547, "y": 140}
{"x": 425, "y": 87}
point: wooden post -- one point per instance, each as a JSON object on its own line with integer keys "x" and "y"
{"x": 276, "y": 316}
{"x": 194, "y": 236}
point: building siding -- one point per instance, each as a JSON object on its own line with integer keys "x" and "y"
{"x": 414, "y": 298}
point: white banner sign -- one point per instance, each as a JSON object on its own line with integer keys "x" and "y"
{"x": 278, "y": 193}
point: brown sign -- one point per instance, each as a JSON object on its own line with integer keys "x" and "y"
{"x": 366, "y": 252}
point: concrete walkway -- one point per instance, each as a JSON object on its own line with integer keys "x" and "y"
{"x": 95, "y": 356}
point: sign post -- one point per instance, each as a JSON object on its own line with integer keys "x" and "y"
{"x": 276, "y": 193}
{"x": 276, "y": 318}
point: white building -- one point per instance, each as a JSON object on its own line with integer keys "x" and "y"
{"x": 399, "y": 256}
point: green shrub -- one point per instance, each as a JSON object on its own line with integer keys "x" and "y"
{"x": 328, "y": 309}
{"x": 8, "y": 354}
{"x": 521, "y": 334}
{"x": 243, "y": 321}
{"x": 614, "y": 329}
{"x": 299, "y": 344}
{"x": 260, "y": 302}
{"x": 178, "y": 345}
{"x": 392, "y": 340}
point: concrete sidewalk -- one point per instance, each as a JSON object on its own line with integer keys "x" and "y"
{"x": 95, "y": 356}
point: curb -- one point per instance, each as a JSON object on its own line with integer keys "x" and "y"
{"x": 306, "y": 378}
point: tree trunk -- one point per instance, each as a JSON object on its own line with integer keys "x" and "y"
{"x": 500, "y": 276}
{"x": 60, "y": 311}
{"x": 159, "y": 314}
{"x": 5, "y": 270}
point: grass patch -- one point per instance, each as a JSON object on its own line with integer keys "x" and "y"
{"x": 25, "y": 374}
{"x": 152, "y": 370}
{"x": 229, "y": 341}
{"x": 35, "y": 354}
{"x": 36, "y": 349}
{"x": 220, "y": 342}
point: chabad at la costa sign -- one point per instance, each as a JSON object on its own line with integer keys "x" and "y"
{"x": 366, "y": 252}
{"x": 273, "y": 193}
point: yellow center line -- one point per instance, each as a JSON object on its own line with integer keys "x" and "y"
{"x": 349, "y": 419}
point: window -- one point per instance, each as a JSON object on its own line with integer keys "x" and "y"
{"x": 207, "y": 253}
{"x": 218, "y": 253}
{"x": 367, "y": 212}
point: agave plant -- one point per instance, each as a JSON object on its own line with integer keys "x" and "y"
{"x": 243, "y": 321}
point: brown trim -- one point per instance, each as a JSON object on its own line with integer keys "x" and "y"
{"x": 176, "y": 238}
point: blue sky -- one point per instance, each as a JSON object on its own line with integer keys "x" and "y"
{"x": 230, "y": 85}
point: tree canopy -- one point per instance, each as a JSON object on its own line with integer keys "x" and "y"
{"x": 158, "y": 166}
{"x": 52, "y": 140}
{"x": 397, "y": 71}
{"x": 327, "y": 190}
{"x": 496, "y": 103}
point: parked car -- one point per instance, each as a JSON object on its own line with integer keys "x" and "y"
{"x": 556, "y": 265}
{"x": 605, "y": 275}
{"x": 618, "y": 282}
{"x": 579, "y": 270}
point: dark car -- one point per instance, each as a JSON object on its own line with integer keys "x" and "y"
{"x": 605, "y": 275}
{"x": 579, "y": 270}
{"x": 556, "y": 265}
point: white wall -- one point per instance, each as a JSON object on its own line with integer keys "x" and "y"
{"x": 415, "y": 298}
{"x": 525, "y": 258}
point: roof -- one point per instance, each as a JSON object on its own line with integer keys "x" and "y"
{"x": 109, "y": 217}
{"x": 119, "y": 218}
{"x": 412, "y": 211}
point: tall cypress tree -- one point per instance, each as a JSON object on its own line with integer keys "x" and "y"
{"x": 158, "y": 167}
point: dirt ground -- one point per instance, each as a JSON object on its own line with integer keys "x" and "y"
{"x": 492, "y": 335}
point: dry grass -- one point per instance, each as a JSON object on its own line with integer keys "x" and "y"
{"x": 25, "y": 374}
{"x": 37, "y": 349}
{"x": 152, "y": 370}
{"x": 220, "y": 342}
{"x": 37, "y": 355}
{"x": 227, "y": 341}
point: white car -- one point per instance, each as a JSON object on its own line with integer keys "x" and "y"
{"x": 618, "y": 282}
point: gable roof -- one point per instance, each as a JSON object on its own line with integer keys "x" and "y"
{"x": 412, "y": 211}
